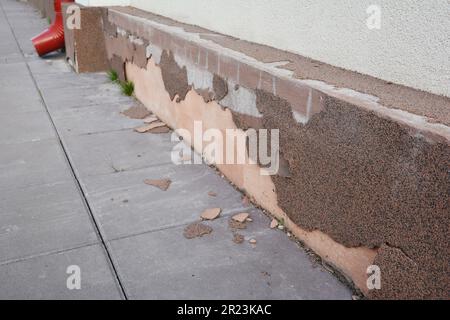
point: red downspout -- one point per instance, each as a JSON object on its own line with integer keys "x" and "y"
{"x": 52, "y": 38}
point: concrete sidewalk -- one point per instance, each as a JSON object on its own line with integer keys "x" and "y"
{"x": 72, "y": 193}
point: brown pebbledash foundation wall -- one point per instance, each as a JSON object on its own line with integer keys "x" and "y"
{"x": 85, "y": 47}
{"x": 360, "y": 183}
{"x": 45, "y": 7}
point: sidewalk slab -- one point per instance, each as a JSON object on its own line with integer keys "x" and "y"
{"x": 65, "y": 81}
{"x": 110, "y": 152}
{"x": 58, "y": 99}
{"x": 25, "y": 127}
{"x": 15, "y": 75}
{"x": 45, "y": 277}
{"x": 31, "y": 164}
{"x": 95, "y": 119}
{"x": 124, "y": 205}
{"x": 24, "y": 104}
{"x": 45, "y": 218}
{"x": 165, "y": 265}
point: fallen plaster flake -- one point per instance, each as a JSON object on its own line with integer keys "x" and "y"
{"x": 249, "y": 220}
{"x": 274, "y": 224}
{"x": 158, "y": 130}
{"x": 236, "y": 225}
{"x": 143, "y": 129}
{"x": 212, "y": 194}
{"x": 252, "y": 241}
{"x": 241, "y": 217}
{"x": 238, "y": 238}
{"x": 150, "y": 127}
{"x": 196, "y": 230}
{"x": 241, "y": 100}
{"x": 150, "y": 119}
{"x": 211, "y": 214}
{"x": 162, "y": 184}
{"x": 137, "y": 112}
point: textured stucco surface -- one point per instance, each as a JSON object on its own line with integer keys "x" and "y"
{"x": 411, "y": 48}
{"x": 317, "y": 192}
{"x": 386, "y": 191}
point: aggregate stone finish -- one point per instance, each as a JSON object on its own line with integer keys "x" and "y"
{"x": 140, "y": 55}
{"x": 365, "y": 181}
{"x": 401, "y": 277}
{"x": 196, "y": 229}
{"x": 361, "y": 179}
{"x": 220, "y": 87}
{"x": 90, "y": 47}
{"x": 175, "y": 78}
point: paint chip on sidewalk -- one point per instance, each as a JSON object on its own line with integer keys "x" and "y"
{"x": 149, "y": 127}
{"x": 274, "y": 224}
{"x": 196, "y": 230}
{"x": 211, "y": 214}
{"x": 137, "y": 112}
{"x": 162, "y": 184}
{"x": 241, "y": 217}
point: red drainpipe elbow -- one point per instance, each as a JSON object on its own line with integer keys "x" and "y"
{"x": 51, "y": 39}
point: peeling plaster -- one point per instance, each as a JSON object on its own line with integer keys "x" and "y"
{"x": 154, "y": 52}
{"x": 370, "y": 102}
{"x": 241, "y": 100}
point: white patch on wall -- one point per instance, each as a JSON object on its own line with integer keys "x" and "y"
{"x": 135, "y": 40}
{"x": 198, "y": 77}
{"x": 299, "y": 117}
{"x": 154, "y": 52}
{"x": 122, "y": 32}
{"x": 241, "y": 100}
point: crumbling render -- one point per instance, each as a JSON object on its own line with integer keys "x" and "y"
{"x": 359, "y": 183}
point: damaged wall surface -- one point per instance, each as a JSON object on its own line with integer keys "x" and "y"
{"x": 394, "y": 52}
{"x": 360, "y": 183}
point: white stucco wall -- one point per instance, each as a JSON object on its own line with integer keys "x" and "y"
{"x": 411, "y": 48}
